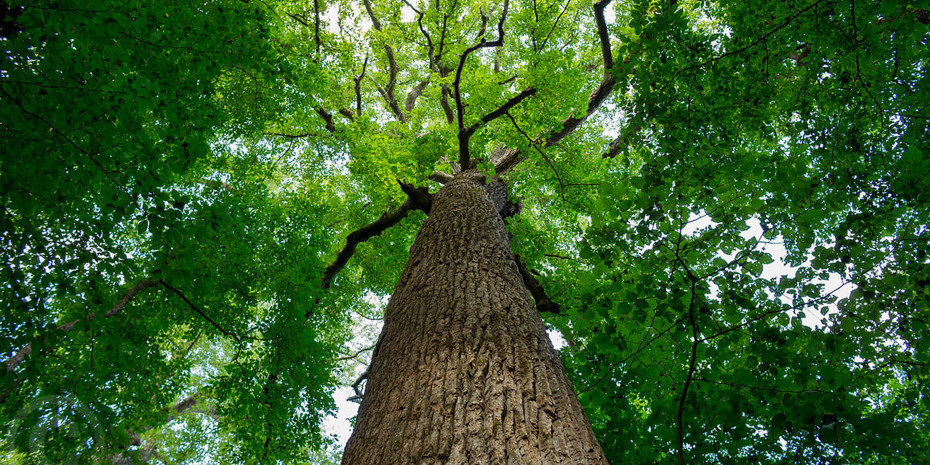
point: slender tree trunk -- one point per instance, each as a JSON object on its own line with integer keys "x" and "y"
{"x": 464, "y": 372}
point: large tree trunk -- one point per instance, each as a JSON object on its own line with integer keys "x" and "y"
{"x": 464, "y": 372}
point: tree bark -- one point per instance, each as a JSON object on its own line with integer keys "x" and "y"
{"x": 464, "y": 372}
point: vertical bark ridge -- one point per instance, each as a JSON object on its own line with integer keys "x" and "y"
{"x": 464, "y": 372}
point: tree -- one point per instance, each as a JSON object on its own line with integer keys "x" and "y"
{"x": 721, "y": 206}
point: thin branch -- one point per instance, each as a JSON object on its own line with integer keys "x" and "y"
{"x": 355, "y": 354}
{"x": 692, "y": 363}
{"x": 358, "y": 87}
{"x": 545, "y": 41}
{"x": 532, "y": 143}
{"x": 507, "y": 159}
{"x": 754, "y": 43}
{"x": 514, "y": 101}
{"x": 199, "y": 311}
{"x": 69, "y": 141}
{"x": 316, "y": 25}
{"x": 24, "y": 352}
{"x": 417, "y": 199}
{"x": 456, "y": 86}
{"x": 388, "y": 91}
{"x": 291, "y": 136}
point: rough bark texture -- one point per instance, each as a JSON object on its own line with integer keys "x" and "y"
{"x": 464, "y": 372}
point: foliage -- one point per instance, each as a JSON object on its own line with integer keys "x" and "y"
{"x": 737, "y": 237}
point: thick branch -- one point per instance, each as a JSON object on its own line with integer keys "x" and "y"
{"x": 543, "y": 302}
{"x": 347, "y": 113}
{"x": 594, "y": 102}
{"x": 21, "y": 355}
{"x": 446, "y": 108}
{"x": 415, "y": 94}
{"x": 614, "y": 148}
{"x": 603, "y": 35}
{"x": 418, "y": 198}
{"x": 327, "y": 118}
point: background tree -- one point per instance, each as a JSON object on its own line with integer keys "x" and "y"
{"x": 175, "y": 180}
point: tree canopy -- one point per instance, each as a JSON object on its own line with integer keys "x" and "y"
{"x": 727, "y": 203}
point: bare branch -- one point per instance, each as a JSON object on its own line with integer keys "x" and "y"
{"x": 691, "y": 366}
{"x": 429, "y": 41}
{"x": 289, "y": 136}
{"x": 417, "y": 199}
{"x": 595, "y": 101}
{"x": 556, "y": 23}
{"x": 355, "y": 354}
{"x": 371, "y": 14}
{"x": 619, "y": 142}
{"x": 316, "y": 25}
{"x": 514, "y": 101}
{"x": 751, "y": 45}
{"x": 71, "y": 142}
{"x": 198, "y": 310}
{"x": 347, "y": 113}
{"x": 446, "y": 108}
